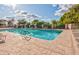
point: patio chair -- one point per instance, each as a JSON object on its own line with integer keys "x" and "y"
{"x": 2, "y": 38}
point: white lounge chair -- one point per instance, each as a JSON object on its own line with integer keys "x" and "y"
{"x": 2, "y": 38}
{"x": 27, "y": 37}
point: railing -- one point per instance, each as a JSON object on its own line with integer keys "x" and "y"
{"x": 75, "y": 26}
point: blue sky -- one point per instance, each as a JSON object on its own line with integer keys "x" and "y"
{"x": 46, "y": 12}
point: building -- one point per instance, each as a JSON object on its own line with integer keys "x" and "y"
{"x": 7, "y": 23}
{"x": 3, "y": 23}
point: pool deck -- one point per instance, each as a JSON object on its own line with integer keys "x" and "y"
{"x": 15, "y": 45}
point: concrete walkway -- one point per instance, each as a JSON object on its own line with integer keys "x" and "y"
{"x": 75, "y": 37}
{"x": 15, "y": 45}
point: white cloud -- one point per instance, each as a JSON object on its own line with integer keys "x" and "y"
{"x": 11, "y": 5}
{"x": 27, "y": 15}
{"x": 46, "y": 19}
{"x": 54, "y": 5}
{"x": 62, "y": 8}
{"x": 17, "y": 11}
{"x": 21, "y": 13}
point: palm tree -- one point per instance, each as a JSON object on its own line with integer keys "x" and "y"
{"x": 47, "y": 25}
{"x": 40, "y": 24}
{"x": 54, "y": 23}
{"x": 22, "y": 23}
{"x": 35, "y": 22}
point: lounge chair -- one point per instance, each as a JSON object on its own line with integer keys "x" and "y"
{"x": 27, "y": 37}
{"x": 2, "y": 38}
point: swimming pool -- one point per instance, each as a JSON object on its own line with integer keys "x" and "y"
{"x": 37, "y": 33}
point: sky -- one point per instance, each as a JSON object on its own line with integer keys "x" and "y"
{"x": 45, "y": 12}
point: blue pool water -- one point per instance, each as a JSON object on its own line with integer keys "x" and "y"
{"x": 37, "y": 33}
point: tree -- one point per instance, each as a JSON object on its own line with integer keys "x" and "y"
{"x": 40, "y": 24}
{"x": 22, "y": 23}
{"x": 46, "y": 25}
{"x": 11, "y": 23}
{"x": 35, "y": 22}
{"x": 72, "y": 16}
{"x": 54, "y": 23}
